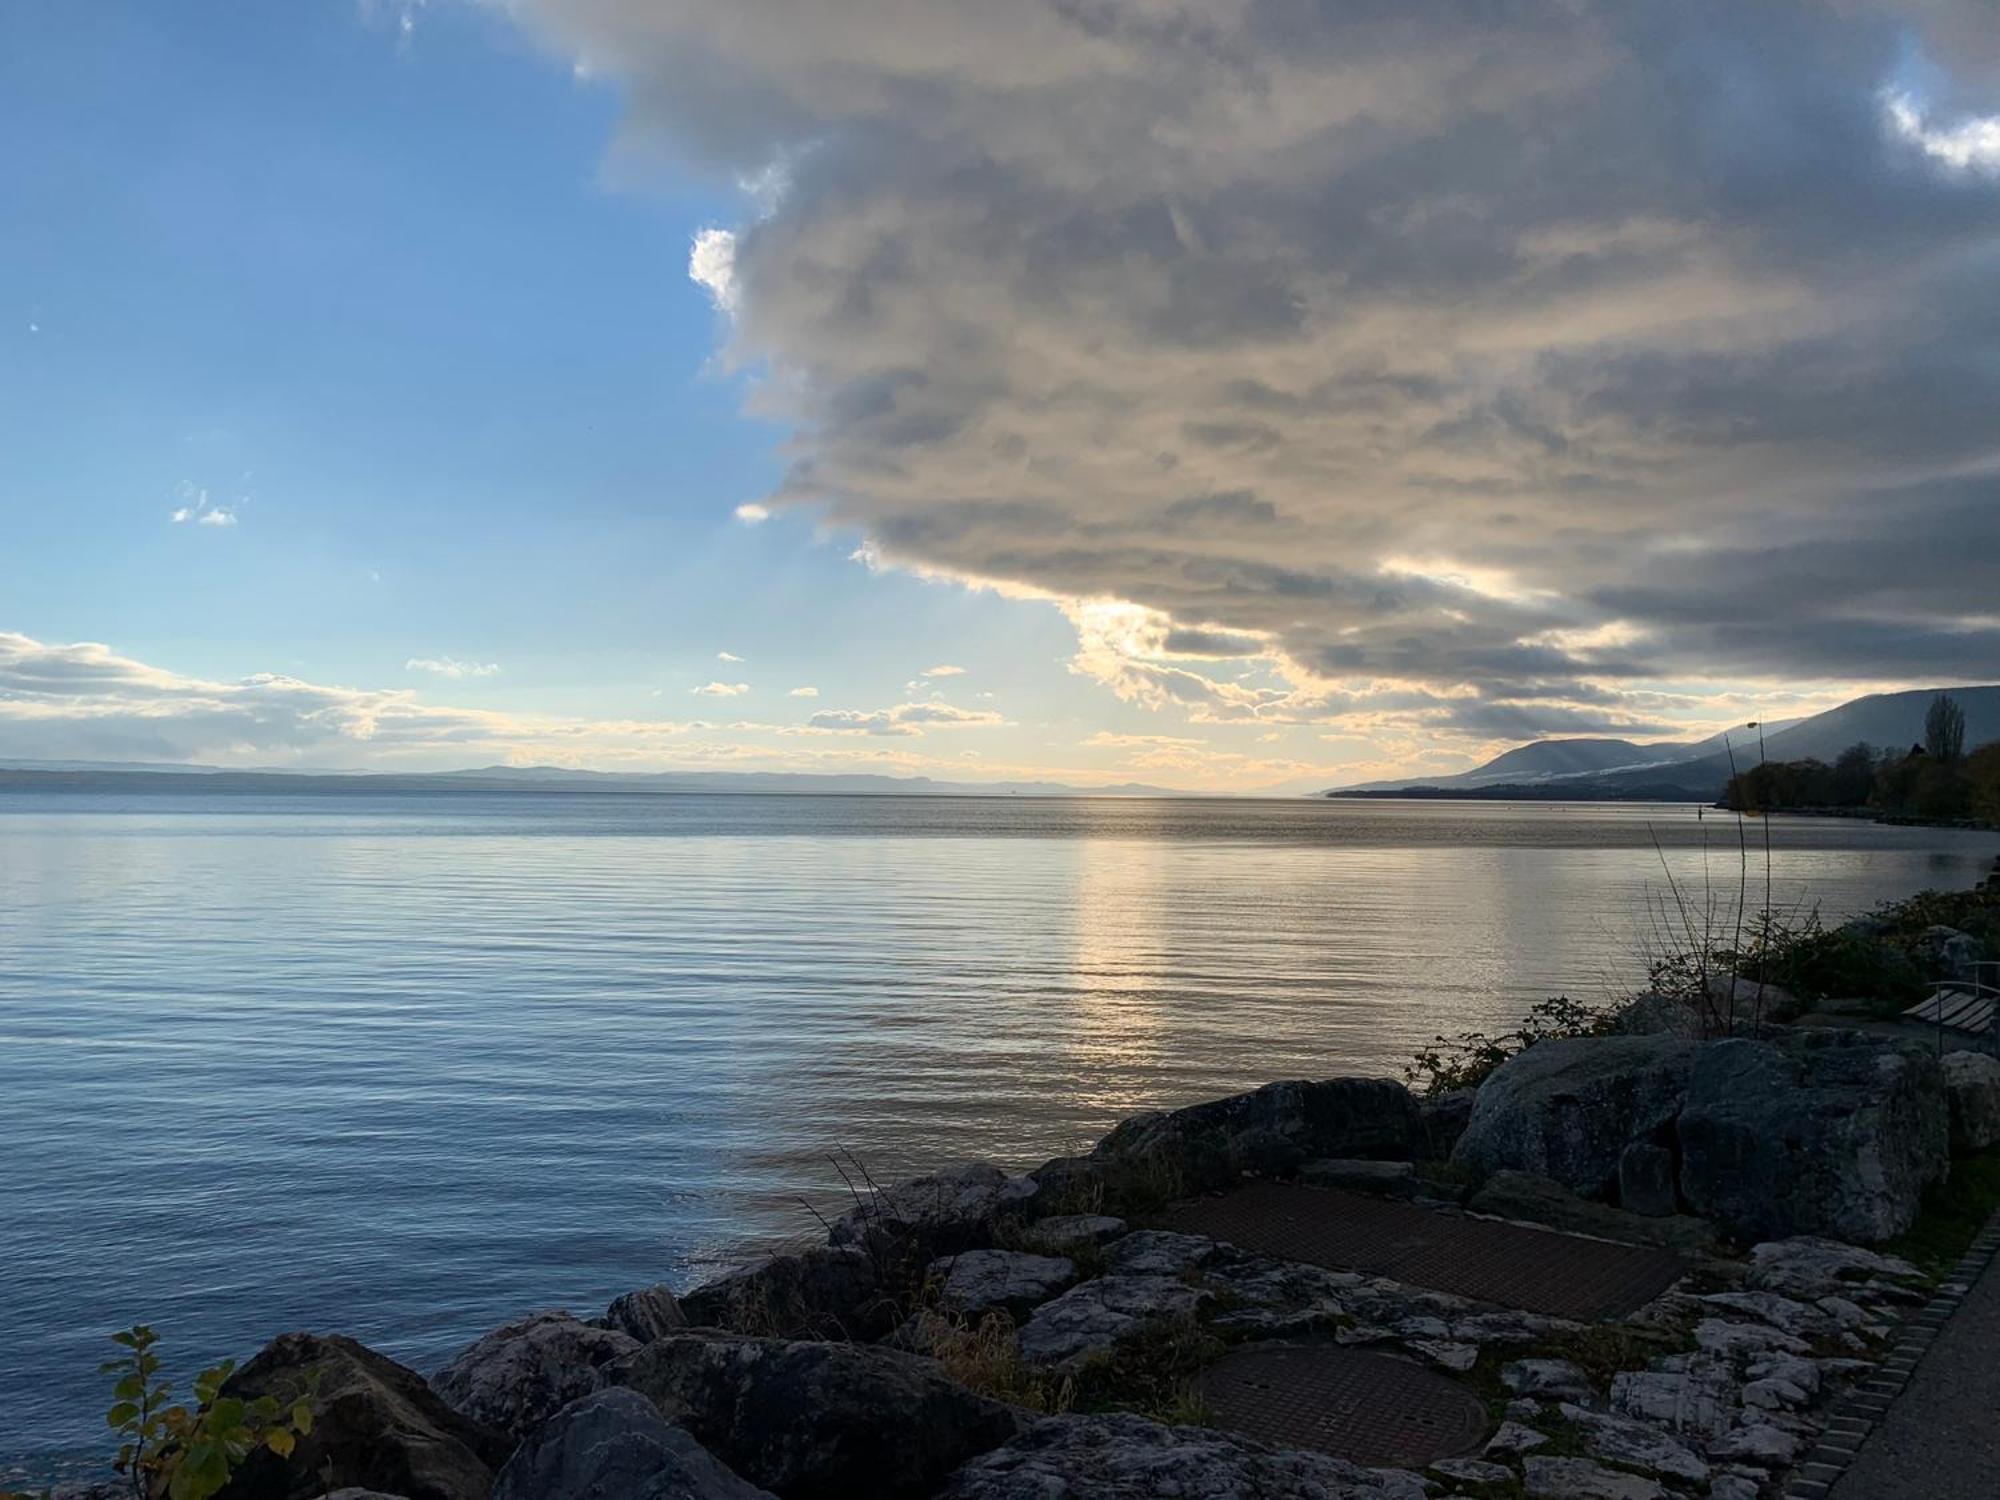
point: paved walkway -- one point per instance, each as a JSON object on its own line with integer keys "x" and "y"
{"x": 1940, "y": 1439}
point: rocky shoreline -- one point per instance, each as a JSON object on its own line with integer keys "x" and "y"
{"x": 970, "y": 1335}
{"x": 981, "y": 1334}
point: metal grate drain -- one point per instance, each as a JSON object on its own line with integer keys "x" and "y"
{"x": 1365, "y": 1407}
{"x": 1539, "y": 1270}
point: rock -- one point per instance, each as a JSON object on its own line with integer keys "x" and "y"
{"x": 1748, "y": 1003}
{"x": 939, "y": 1213}
{"x": 1159, "y": 1252}
{"x": 1810, "y": 1266}
{"x": 1129, "y": 1458}
{"x": 376, "y": 1425}
{"x": 1701, "y": 1399}
{"x": 1823, "y": 1132}
{"x": 1744, "y": 1342}
{"x": 1567, "y": 1109}
{"x": 1444, "y": 1118}
{"x": 1580, "y": 1479}
{"x": 1646, "y": 1180}
{"x": 1457, "y": 1358}
{"x": 829, "y": 1292}
{"x": 615, "y": 1445}
{"x": 1972, "y": 1084}
{"x": 1780, "y": 1312}
{"x": 1473, "y": 1471}
{"x": 519, "y": 1376}
{"x": 1540, "y": 1200}
{"x": 1091, "y": 1319}
{"x": 1011, "y": 1281}
{"x": 1760, "y": 1444}
{"x": 647, "y": 1314}
{"x": 1947, "y": 953}
{"x": 1273, "y": 1130}
{"x": 1514, "y": 1438}
{"x": 1382, "y": 1179}
{"x": 1546, "y": 1379}
{"x": 349, "y": 1493}
{"x": 821, "y": 1420}
{"x": 1635, "y": 1445}
{"x": 1733, "y": 1487}
{"x": 1067, "y": 1233}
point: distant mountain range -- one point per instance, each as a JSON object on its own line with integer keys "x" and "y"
{"x": 84, "y": 775}
{"x": 1595, "y": 770}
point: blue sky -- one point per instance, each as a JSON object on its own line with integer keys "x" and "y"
{"x": 391, "y": 305}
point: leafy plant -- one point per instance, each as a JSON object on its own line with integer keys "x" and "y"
{"x": 1468, "y": 1059}
{"x": 189, "y": 1453}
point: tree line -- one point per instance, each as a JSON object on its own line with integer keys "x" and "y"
{"x": 1936, "y": 778}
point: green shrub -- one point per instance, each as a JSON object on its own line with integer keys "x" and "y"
{"x": 183, "y": 1453}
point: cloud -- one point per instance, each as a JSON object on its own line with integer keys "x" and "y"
{"x": 712, "y": 266}
{"x": 906, "y": 719}
{"x": 446, "y": 666}
{"x": 946, "y": 670}
{"x": 195, "y": 506}
{"x": 1229, "y": 312}
{"x": 803, "y": 692}
{"x": 750, "y": 513}
{"x": 727, "y": 656}
{"x": 722, "y": 689}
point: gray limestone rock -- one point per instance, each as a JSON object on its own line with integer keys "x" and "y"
{"x": 1130, "y": 1458}
{"x": 1818, "y": 1132}
{"x": 615, "y": 1445}
{"x": 819, "y": 1419}
{"x": 1010, "y": 1281}
{"x": 1092, "y": 1319}
{"x": 517, "y": 1377}
{"x": 1567, "y": 1109}
{"x": 1972, "y": 1084}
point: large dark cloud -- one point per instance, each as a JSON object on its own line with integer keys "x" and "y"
{"x": 1512, "y": 353}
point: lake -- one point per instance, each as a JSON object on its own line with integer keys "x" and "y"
{"x": 407, "y": 1066}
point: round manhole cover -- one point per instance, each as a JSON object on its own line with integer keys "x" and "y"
{"x": 1364, "y": 1407}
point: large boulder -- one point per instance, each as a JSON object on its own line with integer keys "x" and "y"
{"x": 1818, "y": 1132}
{"x": 1011, "y": 1281}
{"x": 376, "y": 1425}
{"x": 1130, "y": 1458}
{"x": 652, "y": 1312}
{"x": 939, "y": 1213}
{"x": 1946, "y": 953}
{"x": 1273, "y": 1130}
{"x": 615, "y": 1445}
{"x": 1972, "y": 1083}
{"x": 828, "y": 1292}
{"x": 819, "y": 1421}
{"x": 517, "y": 1377}
{"x": 1567, "y": 1109}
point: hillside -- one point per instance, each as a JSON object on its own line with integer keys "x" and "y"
{"x": 1889, "y": 720}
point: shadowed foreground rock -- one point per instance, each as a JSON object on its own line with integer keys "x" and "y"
{"x": 1972, "y": 1079}
{"x": 1824, "y": 1133}
{"x": 650, "y": 1313}
{"x": 517, "y": 1377}
{"x": 1567, "y": 1109}
{"x": 830, "y": 1292}
{"x": 377, "y": 1426}
{"x": 819, "y": 1421}
{"x": 1130, "y": 1458}
{"x": 615, "y": 1445}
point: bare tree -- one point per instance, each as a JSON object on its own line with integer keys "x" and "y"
{"x": 1944, "y": 729}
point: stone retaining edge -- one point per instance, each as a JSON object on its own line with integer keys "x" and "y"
{"x": 1854, "y": 1416}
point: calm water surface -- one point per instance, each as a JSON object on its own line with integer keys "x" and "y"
{"x": 405, "y": 1066}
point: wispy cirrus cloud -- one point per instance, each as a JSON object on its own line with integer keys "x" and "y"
{"x": 450, "y": 666}
{"x": 904, "y": 719}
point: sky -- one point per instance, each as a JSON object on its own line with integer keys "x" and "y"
{"x": 1242, "y": 395}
